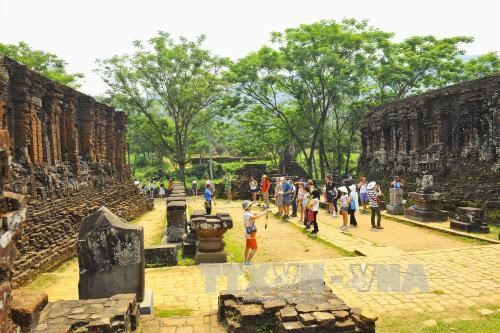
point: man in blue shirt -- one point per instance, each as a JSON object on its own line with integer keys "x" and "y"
{"x": 209, "y": 197}
{"x": 287, "y": 198}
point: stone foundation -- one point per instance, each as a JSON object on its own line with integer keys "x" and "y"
{"x": 291, "y": 311}
{"x": 119, "y": 313}
{"x": 469, "y": 219}
{"x": 425, "y": 208}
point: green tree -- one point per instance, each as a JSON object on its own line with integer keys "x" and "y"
{"x": 312, "y": 73}
{"x": 45, "y": 63}
{"x": 417, "y": 64}
{"x": 184, "y": 80}
{"x": 484, "y": 65}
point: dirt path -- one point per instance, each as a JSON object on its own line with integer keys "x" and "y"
{"x": 404, "y": 237}
{"x": 153, "y": 223}
{"x": 281, "y": 241}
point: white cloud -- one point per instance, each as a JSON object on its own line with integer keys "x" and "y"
{"x": 81, "y": 31}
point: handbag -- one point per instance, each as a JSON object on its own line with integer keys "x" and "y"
{"x": 251, "y": 230}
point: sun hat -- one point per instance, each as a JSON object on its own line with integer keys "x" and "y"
{"x": 343, "y": 189}
{"x": 282, "y": 178}
{"x": 352, "y": 187}
{"x": 264, "y": 176}
{"x": 371, "y": 185}
{"x": 247, "y": 203}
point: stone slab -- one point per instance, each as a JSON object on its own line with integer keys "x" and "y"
{"x": 426, "y": 216}
{"x": 110, "y": 256}
{"x": 469, "y": 227}
{"x": 147, "y": 305}
{"x": 395, "y": 209}
{"x": 161, "y": 255}
{"x": 210, "y": 257}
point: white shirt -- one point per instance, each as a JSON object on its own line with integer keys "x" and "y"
{"x": 247, "y": 222}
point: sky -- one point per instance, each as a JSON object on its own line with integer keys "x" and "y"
{"x": 82, "y": 31}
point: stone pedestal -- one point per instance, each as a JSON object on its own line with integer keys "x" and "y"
{"x": 469, "y": 219}
{"x": 110, "y": 256}
{"x": 210, "y": 230}
{"x": 395, "y": 206}
{"x": 426, "y": 208}
{"x": 189, "y": 240}
{"x": 176, "y": 220}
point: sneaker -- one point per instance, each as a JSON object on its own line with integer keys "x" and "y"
{"x": 314, "y": 232}
{"x": 380, "y": 227}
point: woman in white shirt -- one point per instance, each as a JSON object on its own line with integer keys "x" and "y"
{"x": 345, "y": 200}
{"x": 254, "y": 188}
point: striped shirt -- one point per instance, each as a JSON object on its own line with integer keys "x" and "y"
{"x": 372, "y": 195}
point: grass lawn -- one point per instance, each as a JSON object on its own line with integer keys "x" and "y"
{"x": 461, "y": 321}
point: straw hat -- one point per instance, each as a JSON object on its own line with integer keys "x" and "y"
{"x": 343, "y": 189}
{"x": 264, "y": 176}
{"x": 247, "y": 203}
{"x": 371, "y": 185}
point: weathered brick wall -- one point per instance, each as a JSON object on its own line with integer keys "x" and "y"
{"x": 454, "y": 133}
{"x": 68, "y": 159}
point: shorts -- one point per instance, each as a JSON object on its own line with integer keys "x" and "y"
{"x": 363, "y": 197}
{"x": 254, "y": 191}
{"x": 252, "y": 242}
{"x": 279, "y": 201}
{"x": 345, "y": 209}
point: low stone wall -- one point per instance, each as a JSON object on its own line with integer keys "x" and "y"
{"x": 50, "y": 233}
{"x": 161, "y": 255}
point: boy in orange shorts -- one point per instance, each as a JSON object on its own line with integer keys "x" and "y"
{"x": 249, "y": 219}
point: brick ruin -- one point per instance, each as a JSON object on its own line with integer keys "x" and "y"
{"x": 67, "y": 159}
{"x": 453, "y": 133}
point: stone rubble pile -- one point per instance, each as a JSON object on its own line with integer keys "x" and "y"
{"x": 291, "y": 310}
{"x": 119, "y": 313}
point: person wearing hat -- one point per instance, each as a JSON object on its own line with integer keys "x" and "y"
{"x": 249, "y": 219}
{"x": 353, "y": 205}
{"x": 265, "y": 190}
{"x": 344, "y": 206}
{"x": 396, "y": 183}
{"x": 373, "y": 196}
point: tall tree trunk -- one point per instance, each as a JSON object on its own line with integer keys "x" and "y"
{"x": 339, "y": 155}
{"x": 321, "y": 151}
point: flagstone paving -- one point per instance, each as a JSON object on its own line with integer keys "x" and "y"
{"x": 456, "y": 278}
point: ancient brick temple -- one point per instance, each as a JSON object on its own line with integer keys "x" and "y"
{"x": 453, "y": 133}
{"x": 67, "y": 159}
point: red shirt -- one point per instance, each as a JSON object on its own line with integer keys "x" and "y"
{"x": 265, "y": 185}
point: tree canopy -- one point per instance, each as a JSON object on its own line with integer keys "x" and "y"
{"x": 45, "y": 63}
{"x": 310, "y": 85}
